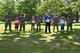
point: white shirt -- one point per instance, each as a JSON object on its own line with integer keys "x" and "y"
{"x": 16, "y": 21}
{"x": 47, "y": 20}
{"x": 33, "y": 21}
{"x": 62, "y": 21}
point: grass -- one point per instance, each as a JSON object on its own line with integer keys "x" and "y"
{"x": 39, "y": 42}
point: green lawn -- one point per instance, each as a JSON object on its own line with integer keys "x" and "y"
{"x": 39, "y": 42}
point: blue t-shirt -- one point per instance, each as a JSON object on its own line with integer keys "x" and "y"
{"x": 47, "y": 18}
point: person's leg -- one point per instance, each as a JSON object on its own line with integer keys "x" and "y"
{"x": 53, "y": 28}
{"x": 17, "y": 28}
{"x": 67, "y": 27}
{"x": 10, "y": 27}
{"x": 71, "y": 28}
{"x": 57, "y": 27}
{"x": 61, "y": 28}
{"x": 46, "y": 28}
{"x": 49, "y": 27}
{"x": 37, "y": 27}
{"x": 6, "y": 24}
{"x": 34, "y": 26}
{"x": 40, "y": 27}
{"x": 20, "y": 27}
{"x": 24, "y": 27}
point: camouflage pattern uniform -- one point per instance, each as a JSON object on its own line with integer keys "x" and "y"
{"x": 7, "y": 22}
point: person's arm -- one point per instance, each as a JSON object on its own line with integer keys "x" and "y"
{"x": 50, "y": 18}
{"x": 43, "y": 19}
{"x": 4, "y": 18}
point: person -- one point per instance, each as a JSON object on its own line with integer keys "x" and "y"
{"x": 69, "y": 23}
{"x": 32, "y": 23}
{"x": 55, "y": 23}
{"x": 22, "y": 20}
{"x": 47, "y": 23}
{"x": 62, "y": 23}
{"x": 7, "y": 19}
{"x": 38, "y": 22}
{"x": 16, "y": 24}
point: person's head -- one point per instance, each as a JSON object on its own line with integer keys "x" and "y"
{"x": 55, "y": 16}
{"x": 17, "y": 18}
{"x": 8, "y": 13}
{"x": 32, "y": 17}
{"x": 62, "y": 17}
{"x": 22, "y": 15}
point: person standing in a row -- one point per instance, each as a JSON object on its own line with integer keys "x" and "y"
{"x": 22, "y": 22}
{"x": 7, "y": 19}
{"x": 16, "y": 24}
{"x": 38, "y": 22}
{"x": 69, "y": 23}
{"x": 47, "y": 23}
{"x": 62, "y": 24}
{"x": 33, "y": 23}
{"x": 55, "y": 23}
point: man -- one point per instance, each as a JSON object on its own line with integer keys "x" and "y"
{"x": 47, "y": 23}
{"x": 7, "y": 19}
{"x": 55, "y": 22}
{"x": 22, "y": 22}
{"x": 69, "y": 23}
{"x": 38, "y": 21}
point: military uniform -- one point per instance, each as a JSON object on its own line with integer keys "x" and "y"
{"x": 69, "y": 23}
{"x": 55, "y": 23}
{"x": 22, "y": 23}
{"x": 7, "y": 22}
{"x": 38, "y": 21}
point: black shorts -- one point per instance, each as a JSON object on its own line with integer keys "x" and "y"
{"x": 16, "y": 27}
{"x": 33, "y": 24}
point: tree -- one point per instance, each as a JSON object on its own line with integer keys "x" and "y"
{"x": 51, "y": 7}
{"x": 28, "y": 7}
{"x": 7, "y": 6}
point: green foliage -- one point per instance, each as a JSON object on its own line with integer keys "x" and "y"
{"x": 51, "y": 7}
{"x": 37, "y": 7}
{"x": 7, "y": 6}
{"x": 28, "y": 7}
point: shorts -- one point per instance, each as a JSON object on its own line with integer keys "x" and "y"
{"x": 16, "y": 27}
{"x": 33, "y": 24}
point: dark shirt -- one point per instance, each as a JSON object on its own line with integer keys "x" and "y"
{"x": 7, "y": 18}
{"x": 69, "y": 20}
{"x": 38, "y": 20}
{"x": 22, "y": 20}
{"x": 55, "y": 20}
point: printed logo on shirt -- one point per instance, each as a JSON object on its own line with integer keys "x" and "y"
{"x": 16, "y": 21}
{"x": 47, "y": 20}
{"x": 33, "y": 21}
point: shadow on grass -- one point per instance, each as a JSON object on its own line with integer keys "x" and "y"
{"x": 38, "y": 42}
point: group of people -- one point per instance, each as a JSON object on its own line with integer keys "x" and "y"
{"x": 20, "y": 21}
{"x": 55, "y": 22}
